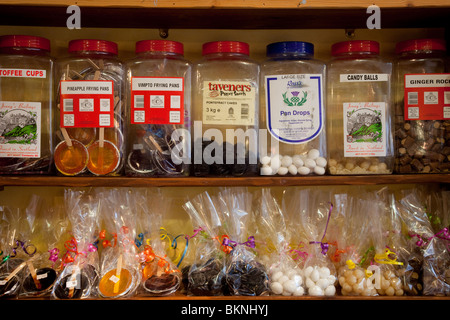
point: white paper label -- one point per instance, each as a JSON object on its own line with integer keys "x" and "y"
{"x": 22, "y": 73}
{"x": 229, "y": 103}
{"x": 364, "y": 129}
{"x": 20, "y": 129}
{"x": 294, "y": 110}
{"x": 364, "y": 77}
{"x": 114, "y": 278}
{"x": 86, "y": 87}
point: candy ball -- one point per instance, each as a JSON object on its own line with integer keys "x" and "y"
{"x": 265, "y": 160}
{"x": 292, "y": 169}
{"x": 286, "y": 161}
{"x": 313, "y": 154}
{"x": 299, "y": 291}
{"x": 322, "y": 283}
{"x": 276, "y": 287}
{"x": 304, "y": 171}
{"x": 297, "y": 161}
{"x": 310, "y": 163}
{"x": 290, "y": 286}
{"x": 266, "y": 171}
{"x": 330, "y": 291}
{"x": 321, "y": 162}
{"x": 315, "y": 291}
{"x": 319, "y": 170}
{"x": 282, "y": 171}
{"x": 277, "y": 275}
{"x": 283, "y": 279}
{"x": 314, "y": 276}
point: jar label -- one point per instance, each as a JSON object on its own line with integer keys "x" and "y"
{"x": 427, "y": 96}
{"x": 364, "y": 77}
{"x": 294, "y": 112}
{"x": 364, "y": 129}
{"x": 22, "y": 73}
{"x": 229, "y": 103}
{"x": 20, "y": 129}
{"x": 87, "y": 103}
{"x": 157, "y": 100}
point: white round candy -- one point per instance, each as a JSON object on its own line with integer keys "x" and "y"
{"x": 290, "y": 273}
{"x": 286, "y": 161}
{"x": 310, "y": 163}
{"x": 324, "y": 272}
{"x": 319, "y": 170}
{"x": 315, "y": 291}
{"x": 314, "y": 276}
{"x": 297, "y": 279}
{"x": 277, "y": 275}
{"x": 273, "y": 269}
{"x": 290, "y": 286}
{"x": 286, "y": 293}
{"x": 330, "y": 290}
{"x": 309, "y": 283}
{"x": 321, "y": 162}
{"x": 299, "y": 291}
{"x": 322, "y": 283}
{"x": 282, "y": 171}
{"x": 283, "y": 279}
{"x": 308, "y": 271}
{"x": 265, "y": 160}
{"x": 276, "y": 287}
{"x": 313, "y": 154}
{"x": 304, "y": 171}
{"x": 297, "y": 161}
{"x": 275, "y": 163}
{"x": 331, "y": 279}
{"x": 292, "y": 169}
{"x": 266, "y": 171}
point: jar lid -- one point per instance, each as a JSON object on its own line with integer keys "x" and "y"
{"x": 226, "y": 47}
{"x": 93, "y": 45}
{"x": 293, "y": 47}
{"x": 420, "y": 44}
{"x": 159, "y": 46}
{"x": 24, "y": 41}
{"x": 355, "y": 46}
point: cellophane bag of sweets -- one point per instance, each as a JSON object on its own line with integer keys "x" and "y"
{"x": 285, "y": 275}
{"x": 119, "y": 267}
{"x": 206, "y": 275}
{"x": 160, "y": 276}
{"x": 386, "y": 269}
{"x": 353, "y": 279}
{"x": 418, "y": 230}
{"x": 19, "y": 250}
{"x": 42, "y": 273}
{"x": 245, "y": 275}
{"x": 318, "y": 270}
{"x": 79, "y": 278}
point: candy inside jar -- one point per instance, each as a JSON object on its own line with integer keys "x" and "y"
{"x": 299, "y": 164}
{"x": 71, "y": 158}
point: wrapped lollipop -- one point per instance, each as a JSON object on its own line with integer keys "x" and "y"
{"x": 160, "y": 276}
{"x": 119, "y": 276}
{"x": 285, "y": 276}
{"x": 244, "y": 274}
{"x": 206, "y": 275}
{"x": 20, "y": 252}
{"x": 319, "y": 272}
{"x": 79, "y": 277}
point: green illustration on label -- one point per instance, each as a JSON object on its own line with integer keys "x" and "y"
{"x": 18, "y": 127}
{"x": 295, "y": 100}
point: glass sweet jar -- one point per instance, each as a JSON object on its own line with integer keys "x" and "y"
{"x": 359, "y": 128}
{"x": 90, "y": 106}
{"x": 26, "y": 92}
{"x": 158, "y": 113}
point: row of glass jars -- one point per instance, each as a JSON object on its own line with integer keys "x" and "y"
{"x": 290, "y": 115}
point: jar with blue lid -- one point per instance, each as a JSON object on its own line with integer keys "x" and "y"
{"x": 292, "y": 111}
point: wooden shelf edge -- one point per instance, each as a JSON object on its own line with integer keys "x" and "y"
{"x": 220, "y": 181}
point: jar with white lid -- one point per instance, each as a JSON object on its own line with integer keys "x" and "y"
{"x": 159, "y": 103}
{"x": 91, "y": 110}
{"x": 293, "y": 110}
{"x": 26, "y": 97}
{"x": 359, "y": 122}
{"x": 225, "y": 111}
{"x": 422, "y": 111}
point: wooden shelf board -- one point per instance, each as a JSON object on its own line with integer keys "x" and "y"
{"x": 220, "y": 181}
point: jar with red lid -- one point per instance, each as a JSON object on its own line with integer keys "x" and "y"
{"x": 26, "y": 97}
{"x": 91, "y": 110}
{"x": 359, "y": 125}
{"x": 225, "y": 111}
{"x": 422, "y": 107}
{"x": 158, "y": 110}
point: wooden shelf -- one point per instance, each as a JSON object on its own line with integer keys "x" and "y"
{"x": 221, "y": 181}
{"x": 226, "y": 14}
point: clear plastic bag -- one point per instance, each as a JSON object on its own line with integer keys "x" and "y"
{"x": 119, "y": 268}
{"x": 244, "y": 275}
{"x": 159, "y": 275}
{"x": 207, "y": 274}
{"x": 285, "y": 276}
{"x": 79, "y": 278}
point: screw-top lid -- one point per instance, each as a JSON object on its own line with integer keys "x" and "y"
{"x": 23, "y": 41}
{"x": 355, "y": 46}
{"x": 290, "y": 47}
{"x": 420, "y": 44}
{"x": 93, "y": 45}
{"x": 159, "y": 46}
{"x": 225, "y": 47}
